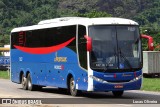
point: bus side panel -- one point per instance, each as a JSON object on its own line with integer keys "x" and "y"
{"x": 82, "y": 80}
{"x": 57, "y": 74}
{"x": 51, "y": 75}
{"x": 41, "y": 74}
{"x": 80, "y": 76}
{"x": 59, "y": 70}
{"x": 48, "y": 69}
{"x": 14, "y": 73}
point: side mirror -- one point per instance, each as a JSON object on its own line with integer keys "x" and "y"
{"x": 88, "y": 43}
{"x": 150, "y": 41}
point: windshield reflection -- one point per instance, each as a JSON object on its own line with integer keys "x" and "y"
{"x": 115, "y": 47}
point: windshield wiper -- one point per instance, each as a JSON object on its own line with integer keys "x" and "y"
{"x": 125, "y": 59}
{"x": 137, "y": 40}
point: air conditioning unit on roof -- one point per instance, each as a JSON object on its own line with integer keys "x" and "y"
{"x": 56, "y": 20}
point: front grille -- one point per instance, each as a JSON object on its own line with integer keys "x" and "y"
{"x": 119, "y": 81}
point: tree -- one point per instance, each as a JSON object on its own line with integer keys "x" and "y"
{"x": 94, "y": 14}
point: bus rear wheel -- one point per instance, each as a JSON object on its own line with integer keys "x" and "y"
{"x": 31, "y": 87}
{"x": 117, "y": 93}
{"x": 72, "y": 87}
{"x": 24, "y": 82}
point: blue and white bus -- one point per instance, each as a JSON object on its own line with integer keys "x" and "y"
{"x": 78, "y": 54}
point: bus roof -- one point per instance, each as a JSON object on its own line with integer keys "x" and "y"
{"x": 66, "y": 21}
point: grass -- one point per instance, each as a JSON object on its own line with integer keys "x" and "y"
{"x": 151, "y": 84}
{"x": 4, "y": 75}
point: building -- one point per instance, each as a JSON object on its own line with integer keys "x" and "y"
{"x": 5, "y": 51}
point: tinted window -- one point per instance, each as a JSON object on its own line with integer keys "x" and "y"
{"x": 82, "y": 46}
{"x": 45, "y": 37}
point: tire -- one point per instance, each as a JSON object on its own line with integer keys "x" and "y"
{"x": 117, "y": 93}
{"x": 31, "y": 87}
{"x": 24, "y": 82}
{"x": 72, "y": 88}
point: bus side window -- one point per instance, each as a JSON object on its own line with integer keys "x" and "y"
{"x": 35, "y": 38}
{"x": 14, "y": 39}
{"x": 82, "y": 46}
{"x": 66, "y": 33}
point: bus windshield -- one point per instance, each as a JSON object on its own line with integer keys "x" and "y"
{"x": 115, "y": 48}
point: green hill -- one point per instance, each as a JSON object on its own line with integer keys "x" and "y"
{"x": 15, "y": 13}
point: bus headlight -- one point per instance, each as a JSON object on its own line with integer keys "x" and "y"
{"x": 97, "y": 79}
{"x": 137, "y": 78}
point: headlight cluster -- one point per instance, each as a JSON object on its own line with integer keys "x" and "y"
{"x": 102, "y": 81}
{"x": 136, "y": 78}
{"x": 98, "y": 79}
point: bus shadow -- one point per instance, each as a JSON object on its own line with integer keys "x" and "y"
{"x": 55, "y": 91}
{"x": 102, "y": 95}
{"x": 93, "y": 95}
{"x": 98, "y": 95}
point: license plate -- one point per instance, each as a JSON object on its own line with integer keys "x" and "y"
{"x": 118, "y": 86}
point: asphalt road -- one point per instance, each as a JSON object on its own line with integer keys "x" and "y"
{"x": 55, "y": 96}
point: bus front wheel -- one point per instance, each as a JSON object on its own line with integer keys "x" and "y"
{"x": 24, "y": 82}
{"x": 72, "y": 87}
{"x": 117, "y": 93}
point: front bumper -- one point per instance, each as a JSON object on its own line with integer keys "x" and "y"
{"x": 100, "y": 85}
